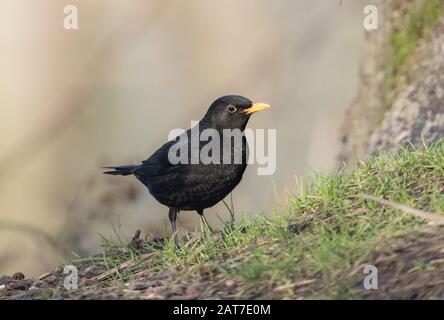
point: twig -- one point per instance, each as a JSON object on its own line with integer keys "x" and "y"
{"x": 431, "y": 217}
{"x": 125, "y": 265}
{"x": 136, "y": 241}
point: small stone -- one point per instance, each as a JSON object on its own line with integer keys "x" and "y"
{"x": 52, "y": 279}
{"x": 4, "y": 280}
{"x": 229, "y": 283}
{"x": 18, "y": 276}
{"x": 39, "y": 284}
{"x": 34, "y": 289}
{"x": 19, "y": 284}
{"x": 122, "y": 250}
{"x": 89, "y": 270}
{"x": 139, "y": 285}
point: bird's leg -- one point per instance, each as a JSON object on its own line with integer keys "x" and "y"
{"x": 173, "y": 217}
{"x": 207, "y": 224}
{"x": 204, "y": 220}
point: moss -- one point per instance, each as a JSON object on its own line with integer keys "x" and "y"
{"x": 420, "y": 21}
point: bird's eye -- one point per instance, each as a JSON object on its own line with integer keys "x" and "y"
{"x": 231, "y": 108}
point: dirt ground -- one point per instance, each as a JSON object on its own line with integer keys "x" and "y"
{"x": 409, "y": 267}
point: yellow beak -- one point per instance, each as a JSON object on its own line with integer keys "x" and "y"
{"x": 258, "y": 106}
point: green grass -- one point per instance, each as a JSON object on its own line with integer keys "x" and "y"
{"x": 320, "y": 232}
{"x": 404, "y": 41}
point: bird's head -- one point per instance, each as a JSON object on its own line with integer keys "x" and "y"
{"x": 231, "y": 112}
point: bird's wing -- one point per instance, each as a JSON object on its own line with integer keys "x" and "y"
{"x": 158, "y": 163}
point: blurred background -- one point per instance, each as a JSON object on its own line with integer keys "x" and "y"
{"x": 109, "y": 92}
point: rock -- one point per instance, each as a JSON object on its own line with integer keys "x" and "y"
{"x": 229, "y": 283}
{"x": 417, "y": 116}
{"x": 40, "y": 284}
{"x": 20, "y": 284}
{"x": 4, "y": 280}
{"x": 35, "y": 290}
{"x": 139, "y": 285}
{"x": 18, "y": 276}
{"x": 399, "y": 108}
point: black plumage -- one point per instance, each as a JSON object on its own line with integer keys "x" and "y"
{"x": 191, "y": 185}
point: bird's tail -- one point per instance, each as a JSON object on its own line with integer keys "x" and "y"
{"x": 121, "y": 170}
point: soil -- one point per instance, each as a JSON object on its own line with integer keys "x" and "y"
{"x": 409, "y": 267}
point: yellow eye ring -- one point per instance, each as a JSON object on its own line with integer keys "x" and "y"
{"x": 231, "y": 108}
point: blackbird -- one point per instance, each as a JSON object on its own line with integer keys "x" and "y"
{"x": 199, "y": 184}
